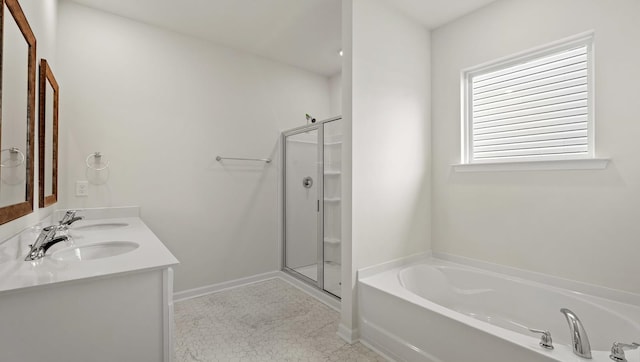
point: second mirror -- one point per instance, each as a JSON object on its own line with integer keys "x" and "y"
{"x": 48, "y": 136}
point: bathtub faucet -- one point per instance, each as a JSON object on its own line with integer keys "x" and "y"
{"x": 579, "y": 339}
{"x": 617, "y": 351}
{"x": 546, "y": 341}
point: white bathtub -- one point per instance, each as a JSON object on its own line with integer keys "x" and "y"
{"x": 441, "y": 311}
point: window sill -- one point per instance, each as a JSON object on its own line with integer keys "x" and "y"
{"x": 579, "y": 164}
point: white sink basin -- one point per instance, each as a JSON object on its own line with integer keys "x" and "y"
{"x": 100, "y": 226}
{"x": 95, "y": 251}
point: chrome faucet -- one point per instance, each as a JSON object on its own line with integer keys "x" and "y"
{"x": 45, "y": 240}
{"x": 546, "y": 341}
{"x": 70, "y": 217}
{"x": 617, "y": 351}
{"x": 580, "y": 341}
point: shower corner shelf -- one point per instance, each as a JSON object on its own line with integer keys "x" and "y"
{"x": 333, "y": 241}
{"x": 332, "y": 173}
{"x": 332, "y": 199}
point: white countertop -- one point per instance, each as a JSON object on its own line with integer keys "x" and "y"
{"x": 17, "y": 274}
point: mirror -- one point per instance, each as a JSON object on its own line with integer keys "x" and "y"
{"x": 17, "y": 111}
{"x": 48, "y": 136}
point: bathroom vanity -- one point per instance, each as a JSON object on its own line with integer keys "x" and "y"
{"x": 105, "y": 295}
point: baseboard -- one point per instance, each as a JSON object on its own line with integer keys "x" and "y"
{"x": 349, "y": 335}
{"x": 330, "y": 301}
{"x": 390, "y": 346}
{"x": 214, "y": 288}
{"x": 377, "y": 350}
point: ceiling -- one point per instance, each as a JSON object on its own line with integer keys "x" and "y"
{"x": 434, "y": 13}
{"x": 302, "y": 33}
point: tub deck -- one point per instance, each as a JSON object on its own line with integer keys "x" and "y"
{"x": 436, "y": 310}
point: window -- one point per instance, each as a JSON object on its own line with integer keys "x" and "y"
{"x": 532, "y": 107}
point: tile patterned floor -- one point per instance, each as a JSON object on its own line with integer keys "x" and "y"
{"x": 267, "y": 321}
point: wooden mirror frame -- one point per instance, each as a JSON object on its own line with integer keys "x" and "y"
{"x": 46, "y": 76}
{"x": 12, "y": 212}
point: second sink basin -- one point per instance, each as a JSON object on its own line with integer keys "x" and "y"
{"x": 95, "y": 251}
{"x": 100, "y": 226}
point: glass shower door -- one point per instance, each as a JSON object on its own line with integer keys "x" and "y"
{"x": 302, "y": 183}
{"x": 313, "y": 204}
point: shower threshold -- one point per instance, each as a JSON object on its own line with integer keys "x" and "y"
{"x": 331, "y": 275}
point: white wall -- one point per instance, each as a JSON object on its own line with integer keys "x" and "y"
{"x": 160, "y": 106}
{"x": 42, "y": 17}
{"x": 581, "y": 225}
{"x": 335, "y": 91}
{"x": 387, "y": 136}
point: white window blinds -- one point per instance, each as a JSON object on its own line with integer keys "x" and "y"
{"x": 536, "y": 108}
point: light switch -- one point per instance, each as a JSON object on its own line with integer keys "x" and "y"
{"x": 82, "y": 188}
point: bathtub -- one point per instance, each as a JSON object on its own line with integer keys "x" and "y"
{"x": 437, "y": 310}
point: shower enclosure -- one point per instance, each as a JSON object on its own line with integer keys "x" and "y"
{"x": 312, "y": 204}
